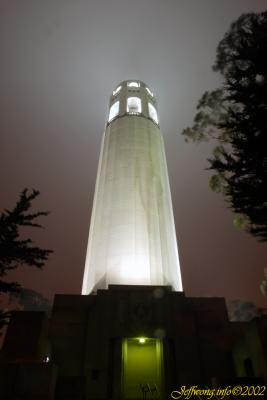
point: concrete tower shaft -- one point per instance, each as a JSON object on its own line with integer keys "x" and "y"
{"x": 132, "y": 238}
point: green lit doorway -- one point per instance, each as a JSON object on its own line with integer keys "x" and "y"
{"x": 142, "y": 369}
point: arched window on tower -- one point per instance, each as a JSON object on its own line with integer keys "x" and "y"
{"x": 114, "y": 111}
{"x": 116, "y": 91}
{"x": 134, "y": 105}
{"x": 153, "y": 113}
{"x": 133, "y": 84}
{"x": 149, "y": 92}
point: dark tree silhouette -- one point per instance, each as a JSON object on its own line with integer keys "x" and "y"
{"x": 235, "y": 117}
{"x": 15, "y": 251}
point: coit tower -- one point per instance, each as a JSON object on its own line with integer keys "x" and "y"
{"x": 132, "y": 238}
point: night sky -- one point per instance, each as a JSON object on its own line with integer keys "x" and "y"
{"x": 60, "y": 61}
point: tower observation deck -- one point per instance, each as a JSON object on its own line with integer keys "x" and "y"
{"x": 132, "y": 238}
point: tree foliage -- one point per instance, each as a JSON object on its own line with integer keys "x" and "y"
{"x": 15, "y": 251}
{"x": 235, "y": 117}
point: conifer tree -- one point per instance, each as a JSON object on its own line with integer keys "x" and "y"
{"x": 235, "y": 117}
{"x": 15, "y": 251}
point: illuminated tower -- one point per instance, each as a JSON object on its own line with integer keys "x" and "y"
{"x": 132, "y": 238}
{"x": 138, "y": 340}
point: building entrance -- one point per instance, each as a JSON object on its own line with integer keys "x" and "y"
{"x": 142, "y": 368}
